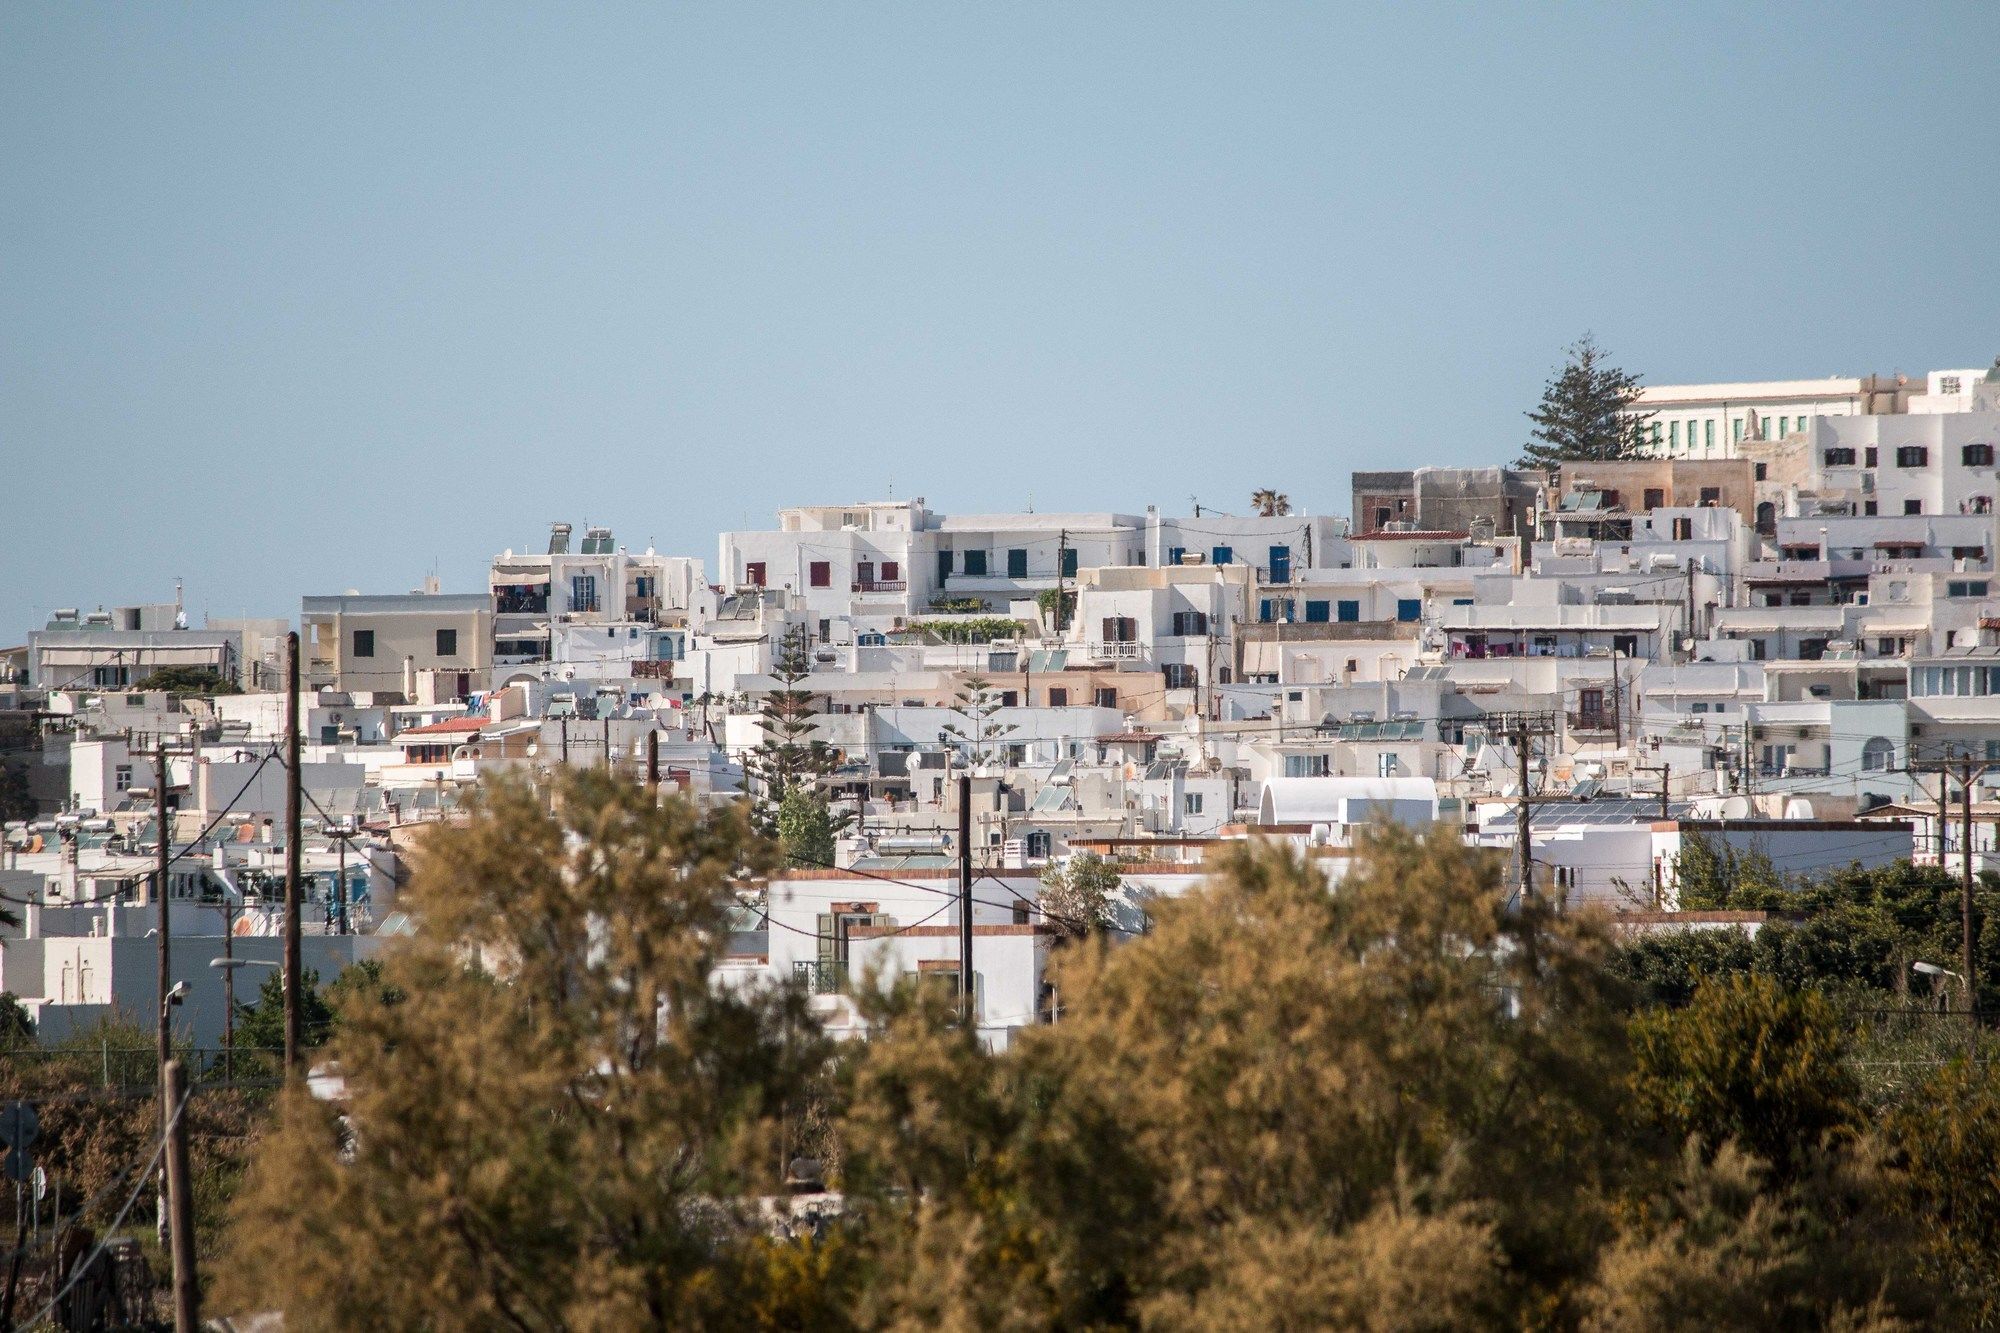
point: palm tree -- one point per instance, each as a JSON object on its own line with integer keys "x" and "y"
{"x": 1270, "y": 504}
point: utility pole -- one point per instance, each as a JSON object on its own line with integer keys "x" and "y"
{"x": 161, "y": 900}
{"x": 180, "y": 1195}
{"x": 294, "y": 838}
{"x": 1062, "y": 560}
{"x": 653, "y": 759}
{"x": 965, "y": 995}
{"x": 1969, "y": 771}
{"x": 1749, "y": 769}
{"x": 1617, "y": 716}
{"x": 228, "y": 988}
{"x": 340, "y": 888}
{"x": 564, "y": 720}
{"x": 1521, "y": 729}
{"x": 1666, "y": 772}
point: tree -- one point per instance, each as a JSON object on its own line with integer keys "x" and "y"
{"x": 563, "y": 1123}
{"x": 188, "y": 681}
{"x": 1751, "y": 1063}
{"x": 790, "y": 754}
{"x": 1946, "y": 1137}
{"x": 977, "y": 740}
{"x": 1076, "y": 898}
{"x": 17, "y": 799}
{"x": 805, "y": 828}
{"x": 260, "y": 1027}
{"x": 1270, "y": 504}
{"x": 1587, "y": 413}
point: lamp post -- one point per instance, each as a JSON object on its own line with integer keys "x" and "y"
{"x": 227, "y": 965}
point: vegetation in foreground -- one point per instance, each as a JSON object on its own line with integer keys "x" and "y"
{"x": 1401, "y": 1106}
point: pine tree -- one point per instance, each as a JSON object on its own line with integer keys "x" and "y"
{"x": 790, "y": 755}
{"x": 978, "y": 739}
{"x": 1586, "y": 414}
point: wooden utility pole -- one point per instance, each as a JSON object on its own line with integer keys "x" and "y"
{"x": 180, "y": 1197}
{"x": 965, "y": 995}
{"x": 1061, "y": 622}
{"x": 161, "y": 901}
{"x": 294, "y": 840}
{"x": 653, "y": 759}
{"x": 1666, "y": 772}
{"x": 1522, "y": 729}
{"x": 1968, "y": 772}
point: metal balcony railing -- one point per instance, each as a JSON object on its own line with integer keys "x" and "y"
{"x": 881, "y": 585}
{"x": 1128, "y": 650}
{"x": 1590, "y": 721}
{"x": 821, "y": 976}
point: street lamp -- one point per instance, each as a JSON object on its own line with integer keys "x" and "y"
{"x": 227, "y": 966}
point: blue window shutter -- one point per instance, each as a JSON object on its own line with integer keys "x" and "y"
{"x": 1221, "y": 555}
{"x": 1350, "y": 611}
{"x": 1317, "y": 612}
{"x": 1409, "y": 608}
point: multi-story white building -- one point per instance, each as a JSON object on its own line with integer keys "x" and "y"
{"x": 1717, "y": 420}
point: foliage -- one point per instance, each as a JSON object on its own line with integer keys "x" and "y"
{"x": 17, "y": 1027}
{"x": 1047, "y": 599}
{"x": 260, "y": 1025}
{"x": 806, "y": 828}
{"x": 1270, "y": 504}
{"x": 1851, "y": 926}
{"x": 958, "y": 606}
{"x": 561, "y": 1121}
{"x": 17, "y": 798}
{"x": 790, "y": 755}
{"x": 1946, "y": 1138}
{"x": 985, "y": 629}
{"x": 978, "y": 739}
{"x": 188, "y": 681}
{"x": 1750, "y": 1063}
{"x": 1076, "y": 898}
{"x": 1586, "y": 413}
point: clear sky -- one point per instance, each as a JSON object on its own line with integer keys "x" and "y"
{"x": 299, "y": 298}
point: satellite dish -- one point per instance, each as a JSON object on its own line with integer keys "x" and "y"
{"x": 1736, "y": 807}
{"x": 1798, "y": 808}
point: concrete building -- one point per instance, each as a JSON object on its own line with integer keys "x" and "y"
{"x": 379, "y": 644}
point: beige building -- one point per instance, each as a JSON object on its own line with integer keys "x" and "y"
{"x": 383, "y": 644}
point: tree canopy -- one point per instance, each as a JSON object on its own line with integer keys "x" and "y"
{"x": 1587, "y": 412}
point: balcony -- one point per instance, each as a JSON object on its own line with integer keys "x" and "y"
{"x": 1128, "y": 650}
{"x": 881, "y": 585}
{"x": 1591, "y": 721}
{"x": 820, "y": 977}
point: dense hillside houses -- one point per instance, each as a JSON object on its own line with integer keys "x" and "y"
{"x": 1763, "y": 628}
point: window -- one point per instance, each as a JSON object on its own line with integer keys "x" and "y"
{"x": 1683, "y": 529}
{"x": 1711, "y": 496}
{"x": 1878, "y": 755}
{"x": 1913, "y": 506}
{"x": 1189, "y": 623}
{"x": 753, "y": 573}
{"x": 1307, "y": 765}
{"x": 1409, "y": 609}
{"x": 1381, "y": 519}
{"x": 1347, "y": 612}
{"x": 1655, "y": 497}
{"x": 1912, "y": 455}
{"x": 1763, "y": 470}
{"x": 975, "y": 564}
{"x": 1010, "y": 699}
{"x": 1107, "y": 697}
{"x": 1838, "y": 458}
{"x": 1968, "y": 552}
{"x": 1674, "y": 434}
{"x": 819, "y": 574}
{"x": 364, "y": 643}
{"x": 1868, "y": 508}
{"x": 1181, "y": 676}
{"x": 1276, "y": 608}
{"x": 1977, "y": 455}
{"x": 1708, "y": 433}
{"x": 1387, "y": 765}
{"x": 1736, "y": 428}
{"x": 121, "y": 777}
{"x": 1281, "y": 564}
{"x": 1870, "y": 456}
{"x": 1221, "y": 555}
{"x": 943, "y": 565}
{"x": 1948, "y": 384}
{"x": 892, "y": 572}
{"x": 447, "y": 643}
{"x": 1757, "y": 650}
{"x": 1318, "y": 612}
{"x": 1191, "y": 803}
{"x": 583, "y": 591}
{"x": 1069, "y": 562}
{"x": 1966, "y": 588}
{"x": 1120, "y": 629}
{"x": 1017, "y": 563}
{"x": 1058, "y": 698}
{"x": 1174, "y": 554}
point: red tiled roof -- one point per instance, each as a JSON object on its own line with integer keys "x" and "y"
{"x": 451, "y": 726}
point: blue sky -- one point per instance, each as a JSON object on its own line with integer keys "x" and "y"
{"x": 298, "y": 298}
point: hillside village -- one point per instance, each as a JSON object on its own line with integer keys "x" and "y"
{"x": 1768, "y": 630}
